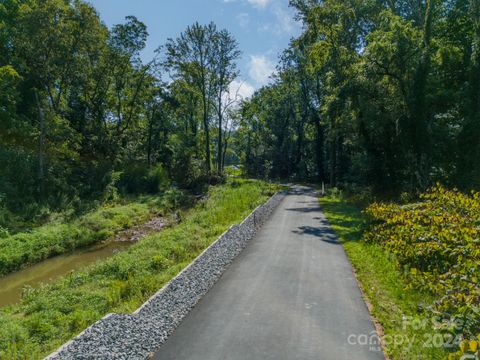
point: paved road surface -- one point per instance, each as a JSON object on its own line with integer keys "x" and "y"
{"x": 290, "y": 294}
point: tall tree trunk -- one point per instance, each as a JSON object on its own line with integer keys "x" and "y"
{"x": 333, "y": 162}
{"x": 419, "y": 114}
{"x": 319, "y": 138}
{"x": 224, "y": 154}
{"x": 149, "y": 146}
{"x": 41, "y": 147}
{"x": 320, "y": 132}
{"x": 207, "y": 134}
{"x": 194, "y": 128}
{"x": 149, "y": 140}
{"x": 220, "y": 137}
{"x": 300, "y": 145}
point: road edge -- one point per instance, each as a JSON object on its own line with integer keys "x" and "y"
{"x": 137, "y": 335}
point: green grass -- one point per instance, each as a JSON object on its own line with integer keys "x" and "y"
{"x": 27, "y": 248}
{"x": 49, "y": 316}
{"x": 383, "y": 285}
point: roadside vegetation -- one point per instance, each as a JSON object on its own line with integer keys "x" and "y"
{"x": 435, "y": 241}
{"x": 49, "y": 316}
{"x": 27, "y": 248}
{"x": 418, "y": 267}
{"x": 382, "y": 283}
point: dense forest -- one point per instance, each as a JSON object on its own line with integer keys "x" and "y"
{"x": 83, "y": 118}
{"x": 382, "y": 95}
{"x": 379, "y": 94}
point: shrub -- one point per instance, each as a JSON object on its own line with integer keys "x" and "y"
{"x": 233, "y": 171}
{"x": 437, "y": 242}
{"x": 334, "y": 193}
{"x": 157, "y": 179}
{"x": 141, "y": 179}
{"x": 110, "y": 194}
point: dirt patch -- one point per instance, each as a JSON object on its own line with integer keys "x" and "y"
{"x": 138, "y": 232}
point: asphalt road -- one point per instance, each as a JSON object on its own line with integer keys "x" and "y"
{"x": 291, "y": 294}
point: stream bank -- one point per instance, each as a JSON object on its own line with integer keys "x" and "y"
{"x": 13, "y": 285}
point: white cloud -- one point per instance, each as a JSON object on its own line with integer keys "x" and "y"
{"x": 285, "y": 22}
{"x": 260, "y": 69}
{"x": 243, "y": 19}
{"x": 241, "y": 89}
{"x": 238, "y": 90}
{"x": 259, "y": 3}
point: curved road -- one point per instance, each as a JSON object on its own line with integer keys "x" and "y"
{"x": 291, "y": 294}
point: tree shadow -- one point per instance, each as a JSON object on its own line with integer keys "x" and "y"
{"x": 300, "y": 190}
{"x": 346, "y": 219}
{"x": 325, "y": 234}
{"x": 305, "y": 209}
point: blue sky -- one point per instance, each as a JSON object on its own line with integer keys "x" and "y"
{"x": 263, "y": 28}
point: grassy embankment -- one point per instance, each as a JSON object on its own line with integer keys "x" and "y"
{"x": 408, "y": 331}
{"x": 49, "y": 316}
{"x": 26, "y": 248}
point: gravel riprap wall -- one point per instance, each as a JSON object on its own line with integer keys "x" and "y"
{"x": 136, "y": 336}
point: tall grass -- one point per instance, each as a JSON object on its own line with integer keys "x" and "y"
{"x": 51, "y": 315}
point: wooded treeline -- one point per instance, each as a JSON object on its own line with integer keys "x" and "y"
{"x": 381, "y": 94}
{"x": 82, "y": 117}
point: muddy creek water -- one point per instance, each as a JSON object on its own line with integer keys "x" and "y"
{"x": 11, "y": 286}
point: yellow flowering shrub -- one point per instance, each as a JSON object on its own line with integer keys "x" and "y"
{"x": 437, "y": 242}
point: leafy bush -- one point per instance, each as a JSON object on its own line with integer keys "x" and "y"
{"x": 334, "y": 193}
{"x": 172, "y": 199}
{"x": 141, "y": 179}
{"x": 189, "y": 173}
{"x": 437, "y": 242}
{"x": 110, "y": 194}
{"x": 233, "y": 171}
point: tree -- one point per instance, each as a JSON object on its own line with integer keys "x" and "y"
{"x": 77, "y": 97}
{"x": 225, "y": 54}
{"x": 382, "y": 94}
{"x": 191, "y": 56}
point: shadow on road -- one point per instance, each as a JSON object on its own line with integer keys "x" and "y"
{"x": 302, "y": 190}
{"x": 304, "y": 209}
{"x": 321, "y": 232}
